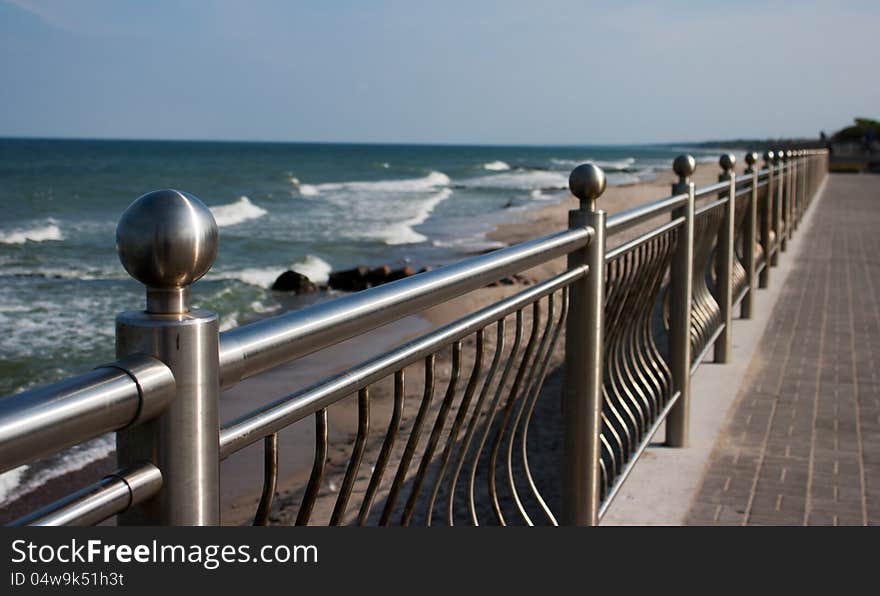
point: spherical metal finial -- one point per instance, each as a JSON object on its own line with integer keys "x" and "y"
{"x": 769, "y": 156}
{"x": 777, "y": 155}
{"x": 751, "y": 158}
{"x": 587, "y": 182}
{"x": 167, "y": 240}
{"x": 684, "y": 165}
{"x": 727, "y": 161}
{"x": 789, "y": 154}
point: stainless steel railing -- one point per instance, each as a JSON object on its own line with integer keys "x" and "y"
{"x": 638, "y": 319}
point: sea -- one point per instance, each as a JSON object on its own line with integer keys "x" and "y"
{"x": 310, "y": 207}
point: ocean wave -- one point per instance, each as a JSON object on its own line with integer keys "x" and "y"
{"x": 609, "y": 165}
{"x": 520, "y": 180}
{"x": 402, "y": 232}
{"x": 315, "y": 268}
{"x": 496, "y": 166}
{"x": 25, "y": 479}
{"x": 235, "y": 213}
{"x": 41, "y": 233}
{"x": 431, "y": 181}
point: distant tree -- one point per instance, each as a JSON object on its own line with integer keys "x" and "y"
{"x": 858, "y": 132}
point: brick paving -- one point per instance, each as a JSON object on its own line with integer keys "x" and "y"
{"x": 803, "y": 444}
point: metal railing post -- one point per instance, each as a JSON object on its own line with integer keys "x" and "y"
{"x": 791, "y": 178}
{"x": 767, "y": 222}
{"x": 584, "y": 350}
{"x": 785, "y": 197}
{"x": 724, "y": 255}
{"x": 167, "y": 240}
{"x": 750, "y": 239}
{"x": 680, "y": 291}
{"x": 805, "y": 165}
{"x": 777, "y": 206}
{"x": 795, "y": 191}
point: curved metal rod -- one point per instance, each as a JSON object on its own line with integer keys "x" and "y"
{"x": 317, "y": 475}
{"x": 463, "y": 409}
{"x": 411, "y": 443}
{"x": 531, "y": 378}
{"x": 357, "y": 455}
{"x": 427, "y": 456}
{"x": 387, "y": 447}
{"x": 533, "y": 399}
{"x": 474, "y": 419}
{"x": 493, "y": 409}
{"x": 508, "y": 410}
{"x": 270, "y": 480}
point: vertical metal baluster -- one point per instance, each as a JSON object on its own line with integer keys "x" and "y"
{"x": 582, "y": 401}
{"x": 317, "y": 475}
{"x": 434, "y": 438}
{"x": 767, "y": 223}
{"x": 475, "y": 418}
{"x": 523, "y": 401}
{"x": 270, "y": 479}
{"x": 357, "y": 454}
{"x": 387, "y": 447}
{"x": 750, "y": 239}
{"x": 493, "y": 410}
{"x": 536, "y": 391}
{"x": 725, "y": 257}
{"x": 460, "y": 417}
{"x": 411, "y": 443}
{"x": 508, "y": 409}
{"x": 680, "y": 289}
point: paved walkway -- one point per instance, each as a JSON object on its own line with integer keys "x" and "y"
{"x": 803, "y": 442}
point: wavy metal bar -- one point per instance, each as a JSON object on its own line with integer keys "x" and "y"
{"x": 493, "y": 409}
{"x": 270, "y": 480}
{"x": 427, "y": 456}
{"x": 317, "y": 475}
{"x": 411, "y": 444}
{"x": 386, "y": 449}
{"x": 533, "y": 399}
{"x": 508, "y": 410}
{"x": 637, "y": 378}
{"x": 253, "y": 426}
{"x": 357, "y": 454}
{"x": 463, "y": 409}
{"x": 528, "y": 387}
{"x": 706, "y": 313}
{"x": 475, "y": 417}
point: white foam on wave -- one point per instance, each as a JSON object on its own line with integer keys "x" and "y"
{"x": 432, "y": 180}
{"x": 496, "y": 166}
{"x": 21, "y": 481}
{"x": 308, "y": 190}
{"x": 607, "y": 164}
{"x": 238, "y": 212}
{"x": 41, "y": 233}
{"x": 402, "y": 232}
{"x": 520, "y": 180}
{"x": 315, "y": 268}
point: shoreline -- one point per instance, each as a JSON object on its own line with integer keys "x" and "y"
{"x": 242, "y": 473}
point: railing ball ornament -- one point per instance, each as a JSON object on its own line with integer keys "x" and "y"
{"x": 727, "y": 161}
{"x": 684, "y": 166}
{"x": 167, "y": 239}
{"x": 587, "y": 182}
{"x": 751, "y": 159}
{"x": 769, "y": 157}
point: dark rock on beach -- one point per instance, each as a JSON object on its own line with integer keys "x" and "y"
{"x": 361, "y": 278}
{"x": 291, "y": 281}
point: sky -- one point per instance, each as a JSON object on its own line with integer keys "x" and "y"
{"x": 448, "y": 71}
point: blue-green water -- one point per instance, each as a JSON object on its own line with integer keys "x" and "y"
{"x": 308, "y": 206}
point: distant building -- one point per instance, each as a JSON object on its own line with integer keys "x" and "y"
{"x": 856, "y": 148}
